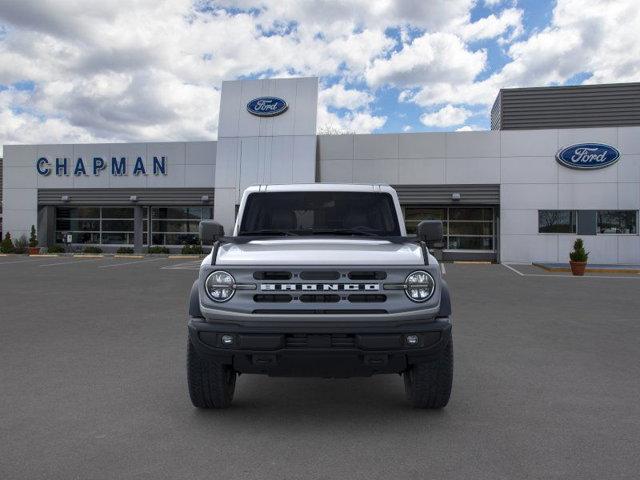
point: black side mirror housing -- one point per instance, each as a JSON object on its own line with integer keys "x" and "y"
{"x": 210, "y": 232}
{"x": 430, "y": 231}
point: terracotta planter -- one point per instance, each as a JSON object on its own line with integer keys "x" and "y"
{"x": 578, "y": 268}
{"x": 34, "y": 250}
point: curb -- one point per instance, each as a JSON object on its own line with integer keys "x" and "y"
{"x": 472, "y": 262}
{"x": 589, "y": 270}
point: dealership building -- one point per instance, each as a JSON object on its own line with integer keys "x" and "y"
{"x": 559, "y": 163}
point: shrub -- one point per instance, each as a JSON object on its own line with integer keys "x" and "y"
{"x": 7, "y": 244}
{"x": 33, "y": 238}
{"x": 21, "y": 245}
{"x": 192, "y": 249}
{"x": 579, "y": 254}
{"x": 55, "y": 249}
{"x": 92, "y": 249}
{"x": 158, "y": 249}
{"x": 125, "y": 250}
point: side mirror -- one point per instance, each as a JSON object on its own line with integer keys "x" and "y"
{"x": 430, "y": 231}
{"x": 210, "y": 232}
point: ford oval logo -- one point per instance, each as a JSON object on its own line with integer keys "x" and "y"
{"x": 588, "y": 156}
{"x": 267, "y": 106}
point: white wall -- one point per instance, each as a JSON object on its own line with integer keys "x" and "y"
{"x": 522, "y": 162}
{"x": 256, "y": 150}
{"x": 189, "y": 164}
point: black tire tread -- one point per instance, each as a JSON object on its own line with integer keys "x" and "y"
{"x": 428, "y": 384}
{"x": 211, "y": 384}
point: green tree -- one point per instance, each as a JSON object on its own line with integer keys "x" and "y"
{"x": 33, "y": 239}
{"x": 7, "y": 244}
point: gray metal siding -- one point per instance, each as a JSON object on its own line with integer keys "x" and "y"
{"x": 121, "y": 196}
{"x": 567, "y": 107}
{"x": 442, "y": 194}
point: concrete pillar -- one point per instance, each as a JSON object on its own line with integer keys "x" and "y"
{"x": 138, "y": 228}
{"x": 46, "y": 228}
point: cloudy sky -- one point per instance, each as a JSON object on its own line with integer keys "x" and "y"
{"x": 125, "y": 70}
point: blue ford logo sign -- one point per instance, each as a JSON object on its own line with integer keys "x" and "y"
{"x": 267, "y": 106}
{"x": 588, "y": 156}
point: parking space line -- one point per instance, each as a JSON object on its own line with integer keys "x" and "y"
{"x": 513, "y": 269}
{"x": 21, "y": 261}
{"x": 130, "y": 263}
{"x": 70, "y": 262}
{"x": 183, "y": 266}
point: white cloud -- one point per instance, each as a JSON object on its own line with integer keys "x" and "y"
{"x": 351, "y": 122}
{"x": 583, "y": 37}
{"x": 433, "y": 57}
{"x": 509, "y": 20}
{"x": 338, "y": 96}
{"x": 447, "y": 116}
{"x": 407, "y": 128}
{"x": 151, "y": 69}
{"x": 469, "y": 128}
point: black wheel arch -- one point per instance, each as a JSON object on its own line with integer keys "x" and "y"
{"x": 445, "y": 301}
{"x": 194, "y": 301}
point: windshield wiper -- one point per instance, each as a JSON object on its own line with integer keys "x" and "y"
{"x": 268, "y": 231}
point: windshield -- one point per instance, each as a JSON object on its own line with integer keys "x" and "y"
{"x": 319, "y": 213}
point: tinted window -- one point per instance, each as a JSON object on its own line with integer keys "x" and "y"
{"x": 617, "y": 221}
{"x": 556, "y": 221}
{"x": 308, "y": 213}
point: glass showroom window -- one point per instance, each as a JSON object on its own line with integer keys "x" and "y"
{"x": 95, "y": 225}
{"x": 556, "y": 221}
{"x": 177, "y": 225}
{"x": 465, "y": 228}
{"x": 618, "y": 221}
{"x": 82, "y": 223}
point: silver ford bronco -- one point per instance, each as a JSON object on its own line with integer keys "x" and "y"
{"x": 320, "y": 280}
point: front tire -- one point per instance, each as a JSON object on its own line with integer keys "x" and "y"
{"x": 211, "y": 384}
{"x": 428, "y": 384}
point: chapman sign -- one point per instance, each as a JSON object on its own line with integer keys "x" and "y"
{"x": 267, "y": 106}
{"x": 588, "y": 156}
{"x": 96, "y": 165}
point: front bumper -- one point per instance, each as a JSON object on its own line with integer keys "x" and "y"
{"x": 332, "y": 349}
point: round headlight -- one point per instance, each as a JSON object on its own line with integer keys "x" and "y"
{"x": 220, "y": 286}
{"x": 419, "y": 286}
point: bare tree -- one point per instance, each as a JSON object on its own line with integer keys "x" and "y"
{"x": 333, "y": 129}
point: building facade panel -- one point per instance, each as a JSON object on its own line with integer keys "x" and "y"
{"x": 529, "y": 143}
{"x": 501, "y": 194}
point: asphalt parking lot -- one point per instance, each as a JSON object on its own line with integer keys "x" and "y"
{"x": 93, "y": 386}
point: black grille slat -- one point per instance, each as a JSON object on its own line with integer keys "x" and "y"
{"x": 272, "y": 275}
{"x": 319, "y": 275}
{"x": 367, "y": 298}
{"x": 272, "y": 298}
{"x": 367, "y": 275}
{"x": 319, "y": 298}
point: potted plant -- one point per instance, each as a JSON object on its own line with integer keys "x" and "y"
{"x": 578, "y": 258}
{"x": 7, "y": 244}
{"x": 33, "y": 242}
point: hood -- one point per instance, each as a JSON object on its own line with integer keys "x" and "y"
{"x": 319, "y": 251}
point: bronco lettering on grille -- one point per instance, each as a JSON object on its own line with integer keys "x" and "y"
{"x": 320, "y": 287}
